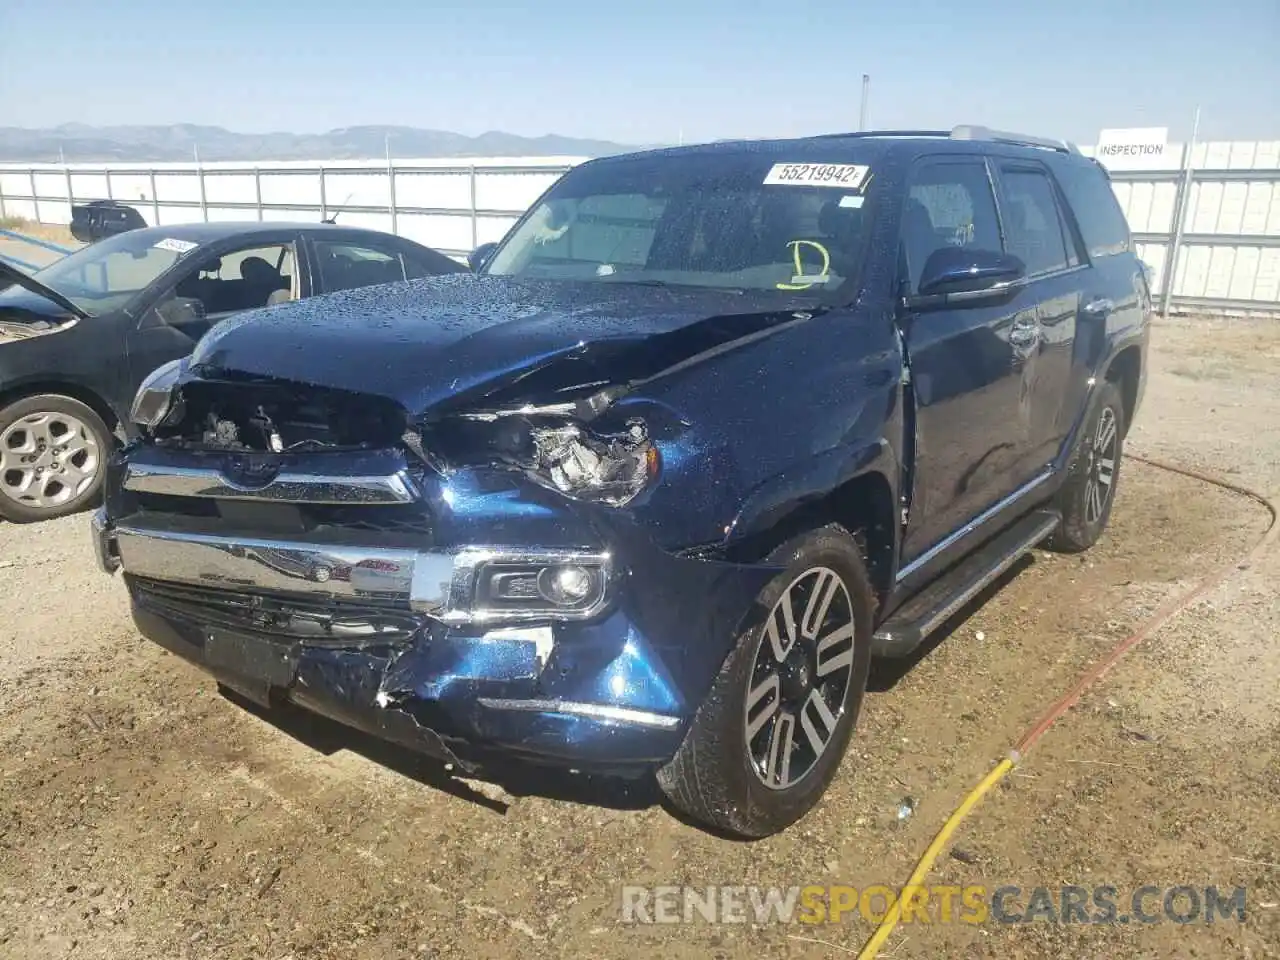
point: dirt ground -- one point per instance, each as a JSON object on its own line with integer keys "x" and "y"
{"x": 142, "y": 816}
{"x": 29, "y": 253}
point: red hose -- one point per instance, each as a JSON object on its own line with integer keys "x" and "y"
{"x": 1163, "y": 615}
{"x": 1169, "y": 609}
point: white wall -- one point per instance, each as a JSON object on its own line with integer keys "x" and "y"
{"x": 433, "y": 199}
{"x": 1230, "y": 251}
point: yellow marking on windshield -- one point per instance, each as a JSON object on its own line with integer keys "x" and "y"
{"x": 802, "y": 280}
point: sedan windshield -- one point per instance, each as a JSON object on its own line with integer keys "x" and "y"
{"x": 715, "y": 220}
{"x": 106, "y": 275}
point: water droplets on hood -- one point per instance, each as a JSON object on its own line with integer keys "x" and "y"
{"x": 422, "y": 341}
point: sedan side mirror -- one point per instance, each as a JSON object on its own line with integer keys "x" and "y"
{"x": 480, "y": 256}
{"x": 964, "y": 274}
{"x": 181, "y": 311}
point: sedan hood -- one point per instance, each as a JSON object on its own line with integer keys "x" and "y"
{"x": 446, "y": 341}
{"x": 10, "y": 274}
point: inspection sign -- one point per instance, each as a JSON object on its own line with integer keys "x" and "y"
{"x": 1138, "y": 148}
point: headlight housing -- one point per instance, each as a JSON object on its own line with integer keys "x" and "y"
{"x": 571, "y": 586}
{"x": 611, "y": 469}
{"x": 155, "y": 400}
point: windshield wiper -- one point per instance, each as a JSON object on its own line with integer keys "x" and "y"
{"x": 670, "y": 285}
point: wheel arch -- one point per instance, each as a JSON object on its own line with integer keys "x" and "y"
{"x": 863, "y": 504}
{"x": 1125, "y": 371}
{"x": 90, "y": 398}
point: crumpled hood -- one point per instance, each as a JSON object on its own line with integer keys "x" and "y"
{"x": 449, "y": 339}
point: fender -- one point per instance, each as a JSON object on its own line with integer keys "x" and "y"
{"x": 11, "y": 390}
{"x": 805, "y": 483}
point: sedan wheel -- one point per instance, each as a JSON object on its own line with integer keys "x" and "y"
{"x": 52, "y": 452}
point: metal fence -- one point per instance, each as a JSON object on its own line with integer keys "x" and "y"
{"x": 1209, "y": 225}
{"x": 450, "y": 206}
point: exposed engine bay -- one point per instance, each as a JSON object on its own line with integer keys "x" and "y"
{"x": 276, "y": 417}
{"x": 577, "y": 447}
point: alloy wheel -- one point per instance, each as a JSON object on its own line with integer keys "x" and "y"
{"x": 1102, "y": 465}
{"x": 800, "y": 678}
{"x": 47, "y": 459}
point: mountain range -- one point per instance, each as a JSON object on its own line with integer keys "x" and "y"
{"x": 74, "y": 142}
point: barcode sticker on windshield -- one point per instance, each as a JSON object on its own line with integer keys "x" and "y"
{"x": 848, "y": 176}
{"x": 177, "y": 246}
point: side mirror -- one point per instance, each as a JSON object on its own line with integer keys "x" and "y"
{"x": 180, "y": 311}
{"x": 480, "y": 256}
{"x": 960, "y": 274}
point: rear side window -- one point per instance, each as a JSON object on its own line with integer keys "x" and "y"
{"x": 423, "y": 262}
{"x": 345, "y": 266}
{"x": 1034, "y": 230}
{"x": 1097, "y": 212}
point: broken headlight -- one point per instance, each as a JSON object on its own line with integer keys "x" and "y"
{"x": 155, "y": 399}
{"x": 612, "y": 469}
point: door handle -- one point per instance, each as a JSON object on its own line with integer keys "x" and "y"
{"x": 1098, "y": 307}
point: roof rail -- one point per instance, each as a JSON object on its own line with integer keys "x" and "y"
{"x": 974, "y": 132}
{"x": 883, "y": 133}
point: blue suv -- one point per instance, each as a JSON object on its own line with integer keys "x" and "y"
{"x": 645, "y": 493}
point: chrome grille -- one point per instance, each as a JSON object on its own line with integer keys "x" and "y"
{"x": 315, "y": 621}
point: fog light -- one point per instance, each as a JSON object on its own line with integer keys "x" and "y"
{"x": 569, "y": 586}
{"x": 565, "y": 586}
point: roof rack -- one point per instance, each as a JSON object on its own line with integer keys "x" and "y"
{"x": 974, "y": 132}
{"x": 883, "y": 133}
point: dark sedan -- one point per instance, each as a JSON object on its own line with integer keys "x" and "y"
{"x": 78, "y": 337}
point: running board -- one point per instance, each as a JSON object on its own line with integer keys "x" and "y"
{"x": 911, "y": 623}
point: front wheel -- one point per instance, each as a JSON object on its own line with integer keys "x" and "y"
{"x": 53, "y": 451}
{"x": 769, "y": 738}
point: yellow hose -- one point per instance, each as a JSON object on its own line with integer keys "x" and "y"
{"x": 1158, "y": 619}
{"x": 890, "y": 921}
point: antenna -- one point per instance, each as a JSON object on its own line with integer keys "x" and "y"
{"x": 333, "y": 218}
{"x": 866, "y": 95}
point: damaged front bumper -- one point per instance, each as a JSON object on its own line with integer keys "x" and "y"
{"x": 404, "y": 635}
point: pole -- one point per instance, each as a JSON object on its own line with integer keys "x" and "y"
{"x": 204, "y": 200}
{"x": 866, "y": 94}
{"x": 391, "y": 185}
{"x": 1180, "y": 224}
{"x": 475, "y": 213}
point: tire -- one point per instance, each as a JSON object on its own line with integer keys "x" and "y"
{"x": 1089, "y": 492}
{"x": 53, "y": 455}
{"x": 718, "y": 775}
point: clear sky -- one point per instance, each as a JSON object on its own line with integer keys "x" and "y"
{"x": 645, "y": 72}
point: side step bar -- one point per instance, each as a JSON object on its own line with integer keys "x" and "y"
{"x": 908, "y": 627}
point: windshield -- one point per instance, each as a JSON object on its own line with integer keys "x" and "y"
{"x": 701, "y": 220}
{"x": 105, "y": 275}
